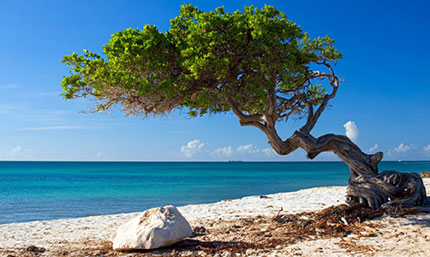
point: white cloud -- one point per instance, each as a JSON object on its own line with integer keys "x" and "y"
{"x": 223, "y": 151}
{"x": 18, "y": 152}
{"x": 247, "y": 149}
{"x": 11, "y": 109}
{"x": 402, "y": 148}
{"x": 244, "y": 150}
{"x": 101, "y": 155}
{"x": 52, "y": 93}
{"x": 192, "y": 147}
{"x": 373, "y": 148}
{"x": 51, "y": 128}
{"x": 4, "y": 86}
{"x": 426, "y": 148}
{"x": 15, "y": 150}
{"x": 268, "y": 152}
{"x": 351, "y": 130}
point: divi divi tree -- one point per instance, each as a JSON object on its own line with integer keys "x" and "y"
{"x": 255, "y": 63}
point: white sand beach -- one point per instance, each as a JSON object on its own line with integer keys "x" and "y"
{"x": 385, "y": 236}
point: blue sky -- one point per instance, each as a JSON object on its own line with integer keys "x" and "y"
{"x": 384, "y": 96}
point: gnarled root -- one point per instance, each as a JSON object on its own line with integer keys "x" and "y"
{"x": 394, "y": 192}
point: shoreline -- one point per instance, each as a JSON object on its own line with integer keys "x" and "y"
{"x": 78, "y": 233}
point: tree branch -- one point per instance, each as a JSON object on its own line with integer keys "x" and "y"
{"x": 313, "y": 117}
{"x": 271, "y": 115}
{"x": 247, "y": 120}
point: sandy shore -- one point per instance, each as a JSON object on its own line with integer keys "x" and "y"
{"x": 231, "y": 221}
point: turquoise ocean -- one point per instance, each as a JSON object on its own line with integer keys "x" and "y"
{"x": 53, "y": 190}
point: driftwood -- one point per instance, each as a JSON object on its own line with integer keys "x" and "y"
{"x": 393, "y": 191}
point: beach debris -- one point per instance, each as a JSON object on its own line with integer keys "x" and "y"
{"x": 34, "y": 249}
{"x": 199, "y": 230}
{"x": 154, "y": 228}
{"x": 344, "y": 220}
{"x": 263, "y": 197}
{"x": 348, "y": 214}
{"x": 353, "y": 247}
{"x": 279, "y": 212}
{"x": 425, "y": 174}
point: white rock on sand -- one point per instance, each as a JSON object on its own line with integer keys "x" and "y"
{"x": 154, "y": 228}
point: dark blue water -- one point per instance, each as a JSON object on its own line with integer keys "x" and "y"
{"x": 51, "y": 190}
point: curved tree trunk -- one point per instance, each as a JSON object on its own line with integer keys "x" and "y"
{"x": 389, "y": 189}
{"x": 393, "y": 191}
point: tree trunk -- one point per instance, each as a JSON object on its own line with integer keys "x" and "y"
{"x": 393, "y": 191}
{"x": 390, "y": 189}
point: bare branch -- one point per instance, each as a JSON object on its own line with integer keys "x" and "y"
{"x": 289, "y": 103}
{"x": 313, "y": 117}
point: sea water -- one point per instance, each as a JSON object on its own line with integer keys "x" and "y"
{"x": 53, "y": 190}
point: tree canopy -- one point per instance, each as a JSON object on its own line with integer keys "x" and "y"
{"x": 255, "y": 62}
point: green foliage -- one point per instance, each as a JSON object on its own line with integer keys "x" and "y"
{"x": 204, "y": 59}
